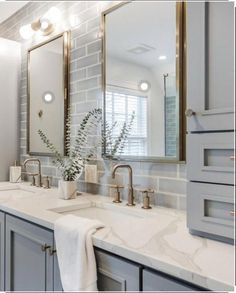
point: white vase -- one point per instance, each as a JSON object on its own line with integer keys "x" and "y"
{"x": 67, "y": 189}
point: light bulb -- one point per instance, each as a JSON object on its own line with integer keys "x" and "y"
{"x": 44, "y": 24}
{"x": 26, "y": 32}
{"x": 48, "y": 97}
{"x": 53, "y": 15}
{"x": 162, "y": 57}
{"x": 144, "y": 86}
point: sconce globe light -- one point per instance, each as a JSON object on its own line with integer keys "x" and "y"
{"x": 26, "y": 31}
{"x": 45, "y": 25}
{"x": 144, "y": 86}
{"x": 48, "y": 97}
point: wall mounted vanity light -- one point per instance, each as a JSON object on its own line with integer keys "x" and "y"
{"x": 45, "y": 25}
{"x": 144, "y": 86}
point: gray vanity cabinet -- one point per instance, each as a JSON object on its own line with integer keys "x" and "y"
{"x": 2, "y": 250}
{"x": 210, "y": 65}
{"x": 29, "y": 267}
{"x": 210, "y": 119}
{"x": 116, "y": 274}
{"x": 154, "y": 281}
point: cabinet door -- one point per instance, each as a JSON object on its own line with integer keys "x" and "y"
{"x": 116, "y": 274}
{"x": 154, "y": 281}
{"x": 211, "y": 209}
{"x": 2, "y": 252}
{"x": 210, "y": 65}
{"x": 28, "y": 266}
{"x": 210, "y": 157}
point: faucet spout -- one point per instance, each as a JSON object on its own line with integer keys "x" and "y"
{"x": 131, "y": 190}
{"x": 39, "y": 169}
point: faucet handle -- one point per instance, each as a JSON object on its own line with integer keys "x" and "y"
{"x": 146, "y": 198}
{"x": 46, "y": 181}
{"x": 117, "y": 193}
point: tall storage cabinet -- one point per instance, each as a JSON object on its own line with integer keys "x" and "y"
{"x": 210, "y": 119}
{"x": 9, "y": 79}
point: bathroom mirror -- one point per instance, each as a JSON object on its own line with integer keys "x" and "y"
{"x": 48, "y": 102}
{"x": 144, "y": 78}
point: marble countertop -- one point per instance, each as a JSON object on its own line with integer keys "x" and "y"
{"x": 157, "y": 238}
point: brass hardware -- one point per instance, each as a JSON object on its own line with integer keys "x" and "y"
{"x": 46, "y": 183}
{"x": 232, "y": 213}
{"x": 131, "y": 190}
{"x": 45, "y": 247}
{"x": 39, "y": 181}
{"x": 52, "y": 251}
{"x": 40, "y": 113}
{"x": 146, "y": 198}
{"x": 33, "y": 181}
{"x": 232, "y": 158}
{"x": 189, "y": 113}
{"x": 117, "y": 194}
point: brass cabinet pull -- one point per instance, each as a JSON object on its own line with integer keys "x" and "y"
{"x": 45, "y": 247}
{"x": 232, "y": 213}
{"x": 52, "y": 251}
{"x": 232, "y": 158}
{"x": 189, "y": 113}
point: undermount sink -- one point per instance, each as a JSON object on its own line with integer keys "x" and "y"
{"x": 109, "y": 214}
{"x": 14, "y": 192}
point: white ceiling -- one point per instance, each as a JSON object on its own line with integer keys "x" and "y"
{"x": 8, "y": 8}
{"x": 149, "y": 24}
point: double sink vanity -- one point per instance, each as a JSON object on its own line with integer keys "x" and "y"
{"x": 137, "y": 250}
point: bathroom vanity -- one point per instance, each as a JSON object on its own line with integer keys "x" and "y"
{"x": 166, "y": 257}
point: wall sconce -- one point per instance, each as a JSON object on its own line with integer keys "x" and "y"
{"x": 44, "y": 25}
{"x": 144, "y": 86}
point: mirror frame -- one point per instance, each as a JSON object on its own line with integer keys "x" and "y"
{"x": 66, "y": 85}
{"x": 180, "y": 85}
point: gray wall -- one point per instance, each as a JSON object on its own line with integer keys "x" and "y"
{"x": 168, "y": 180}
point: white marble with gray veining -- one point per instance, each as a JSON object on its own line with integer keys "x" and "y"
{"x": 157, "y": 238}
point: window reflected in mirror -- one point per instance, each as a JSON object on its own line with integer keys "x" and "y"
{"x": 141, "y": 77}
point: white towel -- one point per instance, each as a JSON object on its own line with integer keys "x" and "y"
{"x": 75, "y": 252}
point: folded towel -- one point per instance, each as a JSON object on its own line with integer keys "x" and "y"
{"x": 75, "y": 252}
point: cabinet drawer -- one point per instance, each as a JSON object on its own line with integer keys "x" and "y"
{"x": 154, "y": 281}
{"x": 116, "y": 274}
{"x": 210, "y": 157}
{"x": 210, "y": 208}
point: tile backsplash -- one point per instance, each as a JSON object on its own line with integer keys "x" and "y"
{"x": 168, "y": 180}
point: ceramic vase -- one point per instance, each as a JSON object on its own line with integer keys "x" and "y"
{"x": 67, "y": 189}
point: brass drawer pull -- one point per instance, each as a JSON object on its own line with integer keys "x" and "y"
{"x": 232, "y": 213}
{"x": 45, "y": 247}
{"x": 232, "y": 158}
{"x": 52, "y": 251}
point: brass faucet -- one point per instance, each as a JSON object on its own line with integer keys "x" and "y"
{"x": 131, "y": 190}
{"x": 39, "y": 182}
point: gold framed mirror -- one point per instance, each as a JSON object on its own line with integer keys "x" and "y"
{"x": 144, "y": 75}
{"x": 48, "y": 93}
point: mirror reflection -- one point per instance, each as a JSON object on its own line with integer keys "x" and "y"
{"x": 140, "y": 77}
{"x": 46, "y": 94}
